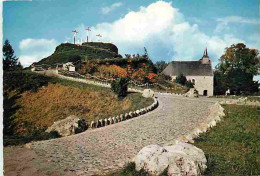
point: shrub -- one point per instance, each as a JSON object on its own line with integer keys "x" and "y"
{"x": 89, "y": 67}
{"x": 139, "y": 75}
{"x": 129, "y": 169}
{"x": 111, "y": 71}
{"x": 181, "y": 79}
{"x": 23, "y": 81}
{"x": 82, "y": 126}
{"x": 152, "y": 77}
{"x": 75, "y": 58}
{"x": 119, "y": 86}
{"x": 189, "y": 84}
{"x": 35, "y": 135}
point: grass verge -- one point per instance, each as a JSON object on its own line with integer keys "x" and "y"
{"x": 232, "y": 147}
{"x": 251, "y": 98}
{"x": 129, "y": 170}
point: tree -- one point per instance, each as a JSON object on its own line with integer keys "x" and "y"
{"x": 119, "y": 86}
{"x": 10, "y": 62}
{"x": 181, "y": 79}
{"x": 220, "y": 84}
{"x": 146, "y": 54}
{"x": 89, "y": 67}
{"x": 160, "y": 65}
{"x": 238, "y": 65}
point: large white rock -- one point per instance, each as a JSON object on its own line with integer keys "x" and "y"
{"x": 147, "y": 93}
{"x": 71, "y": 125}
{"x": 192, "y": 93}
{"x": 179, "y": 159}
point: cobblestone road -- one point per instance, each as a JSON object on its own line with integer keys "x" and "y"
{"x": 102, "y": 150}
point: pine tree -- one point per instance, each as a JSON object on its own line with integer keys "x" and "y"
{"x": 145, "y": 54}
{"x": 10, "y": 62}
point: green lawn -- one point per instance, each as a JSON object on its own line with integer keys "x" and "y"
{"x": 233, "y": 146}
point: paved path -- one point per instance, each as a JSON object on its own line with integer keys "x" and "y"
{"x": 101, "y": 150}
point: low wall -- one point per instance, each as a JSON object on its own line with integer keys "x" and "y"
{"x": 216, "y": 114}
{"x": 123, "y": 117}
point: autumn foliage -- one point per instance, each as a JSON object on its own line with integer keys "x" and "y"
{"x": 152, "y": 77}
{"x": 141, "y": 74}
{"x": 111, "y": 71}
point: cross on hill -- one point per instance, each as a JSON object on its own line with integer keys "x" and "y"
{"x": 99, "y": 36}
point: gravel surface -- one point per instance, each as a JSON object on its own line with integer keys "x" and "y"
{"x": 106, "y": 149}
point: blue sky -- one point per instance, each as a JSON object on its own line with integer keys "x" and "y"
{"x": 170, "y": 30}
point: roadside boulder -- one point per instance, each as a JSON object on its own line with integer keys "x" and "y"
{"x": 192, "y": 93}
{"x": 180, "y": 159}
{"x": 148, "y": 93}
{"x": 122, "y": 117}
{"x": 69, "y": 126}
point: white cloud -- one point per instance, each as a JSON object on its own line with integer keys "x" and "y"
{"x": 238, "y": 19}
{"x": 33, "y": 50}
{"x": 224, "y": 22}
{"x": 108, "y": 9}
{"x": 164, "y": 31}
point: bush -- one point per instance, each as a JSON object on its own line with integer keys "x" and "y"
{"x": 119, "y": 86}
{"x": 189, "y": 84}
{"x": 36, "y": 135}
{"x": 24, "y": 80}
{"x": 82, "y": 126}
{"x": 181, "y": 79}
{"x": 129, "y": 169}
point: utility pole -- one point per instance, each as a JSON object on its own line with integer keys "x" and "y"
{"x": 75, "y": 33}
{"x": 99, "y": 36}
{"x": 88, "y": 29}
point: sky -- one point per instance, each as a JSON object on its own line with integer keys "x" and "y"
{"x": 170, "y": 30}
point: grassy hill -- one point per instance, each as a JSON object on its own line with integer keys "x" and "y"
{"x": 101, "y": 53}
{"x": 66, "y": 52}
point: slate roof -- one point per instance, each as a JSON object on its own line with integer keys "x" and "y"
{"x": 188, "y": 68}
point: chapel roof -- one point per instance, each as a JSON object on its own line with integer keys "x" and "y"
{"x": 190, "y": 68}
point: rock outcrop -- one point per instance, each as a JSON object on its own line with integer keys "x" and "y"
{"x": 69, "y": 126}
{"x": 180, "y": 159}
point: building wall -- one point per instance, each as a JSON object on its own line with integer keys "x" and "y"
{"x": 202, "y": 83}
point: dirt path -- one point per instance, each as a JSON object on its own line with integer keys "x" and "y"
{"x": 107, "y": 149}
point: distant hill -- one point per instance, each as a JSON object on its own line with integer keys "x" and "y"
{"x": 102, "y": 53}
{"x": 67, "y": 52}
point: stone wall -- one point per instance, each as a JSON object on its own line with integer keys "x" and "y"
{"x": 123, "y": 117}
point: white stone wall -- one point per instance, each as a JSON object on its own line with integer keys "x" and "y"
{"x": 202, "y": 83}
